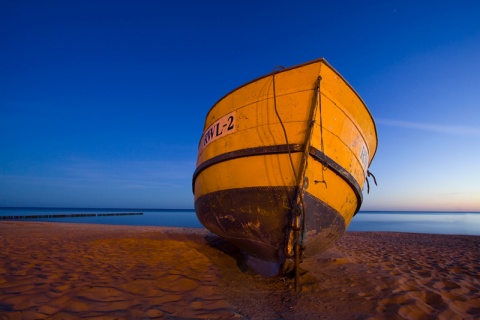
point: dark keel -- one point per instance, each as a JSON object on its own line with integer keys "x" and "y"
{"x": 257, "y": 220}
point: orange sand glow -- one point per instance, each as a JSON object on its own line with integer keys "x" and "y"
{"x": 79, "y": 271}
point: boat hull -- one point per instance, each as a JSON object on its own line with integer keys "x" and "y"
{"x": 296, "y": 143}
{"x": 257, "y": 222}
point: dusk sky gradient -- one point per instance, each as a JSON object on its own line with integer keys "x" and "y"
{"x": 102, "y": 103}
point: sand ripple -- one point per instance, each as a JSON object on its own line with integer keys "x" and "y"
{"x": 69, "y": 271}
{"x": 434, "y": 276}
{"x": 106, "y": 275}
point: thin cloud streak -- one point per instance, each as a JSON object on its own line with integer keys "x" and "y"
{"x": 438, "y": 128}
{"x": 82, "y": 173}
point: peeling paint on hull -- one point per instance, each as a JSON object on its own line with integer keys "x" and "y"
{"x": 255, "y": 220}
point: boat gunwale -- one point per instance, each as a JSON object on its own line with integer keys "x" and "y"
{"x": 275, "y": 72}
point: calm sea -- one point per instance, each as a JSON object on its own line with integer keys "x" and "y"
{"x": 131, "y": 217}
{"x": 418, "y": 222}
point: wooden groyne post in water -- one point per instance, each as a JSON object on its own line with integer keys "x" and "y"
{"x": 69, "y": 215}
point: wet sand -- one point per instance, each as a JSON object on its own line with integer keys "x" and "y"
{"x": 80, "y": 271}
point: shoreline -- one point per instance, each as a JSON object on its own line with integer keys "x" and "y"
{"x": 76, "y": 271}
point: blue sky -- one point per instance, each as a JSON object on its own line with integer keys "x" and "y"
{"x": 102, "y": 103}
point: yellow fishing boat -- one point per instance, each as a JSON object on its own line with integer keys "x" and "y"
{"x": 282, "y": 163}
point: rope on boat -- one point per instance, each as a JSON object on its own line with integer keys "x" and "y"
{"x": 297, "y": 225}
{"x": 300, "y": 212}
{"x": 302, "y": 179}
{"x": 298, "y": 205}
{"x": 280, "y": 119}
{"x": 295, "y": 210}
{"x": 296, "y": 213}
{"x": 322, "y": 148}
{"x": 369, "y": 174}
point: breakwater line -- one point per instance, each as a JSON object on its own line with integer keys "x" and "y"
{"x": 69, "y": 215}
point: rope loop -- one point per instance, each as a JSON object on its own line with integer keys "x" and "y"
{"x": 369, "y": 174}
{"x": 321, "y": 181}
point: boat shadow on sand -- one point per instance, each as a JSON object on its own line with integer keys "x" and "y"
{"x": 237, "y": 268}
{"x": 227, "y": 248}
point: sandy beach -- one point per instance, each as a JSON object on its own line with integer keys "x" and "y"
{"x": 81, "y": 271}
